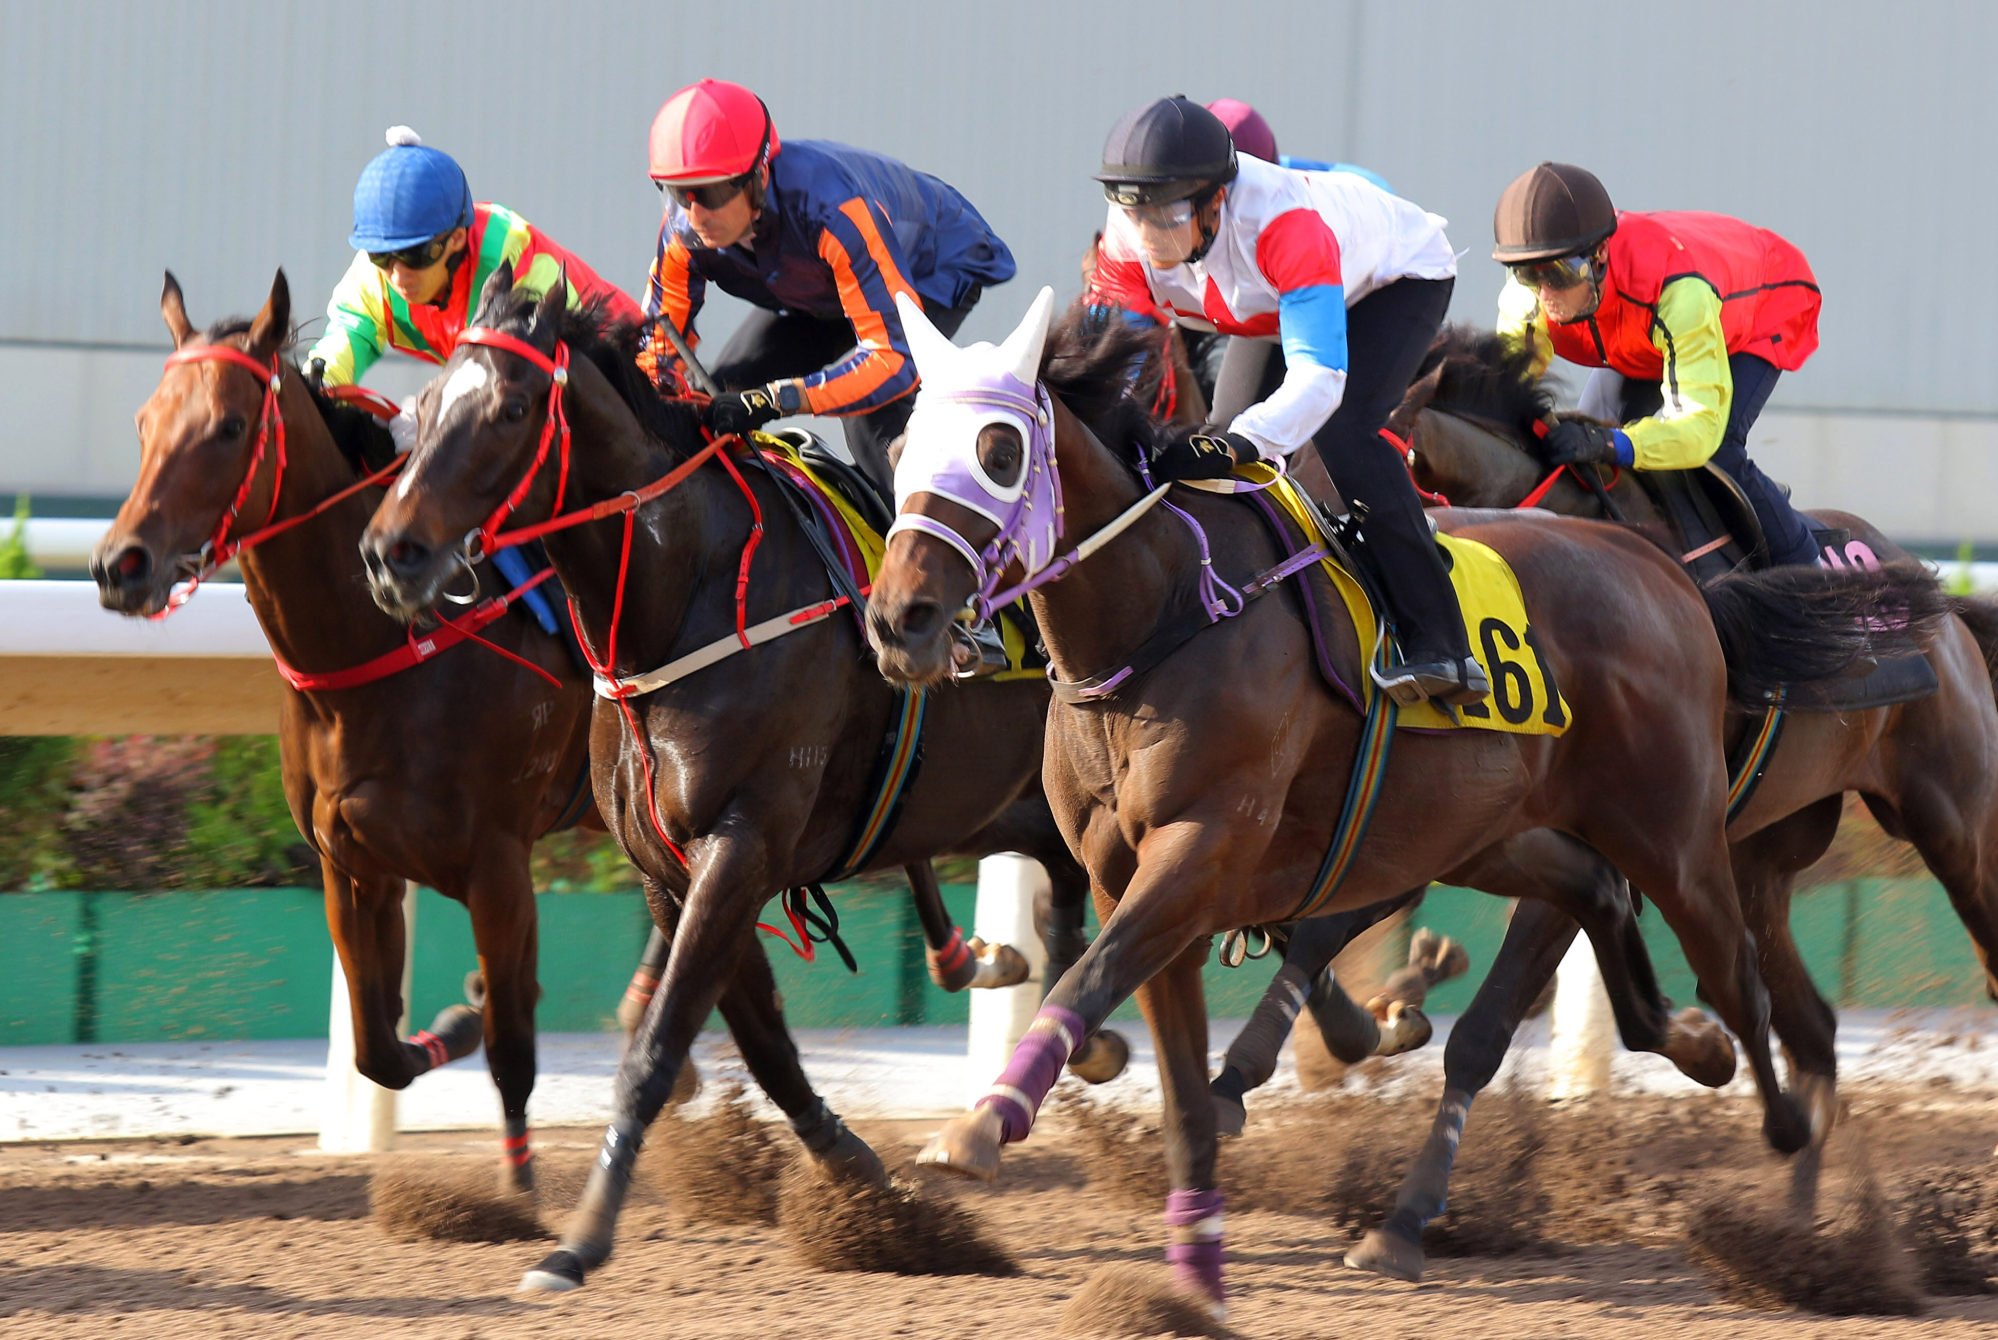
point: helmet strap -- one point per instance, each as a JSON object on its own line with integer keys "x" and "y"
{"x": 1207, "y": 234}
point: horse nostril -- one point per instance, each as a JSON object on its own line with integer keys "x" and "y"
{"x": 132, "y": 567}
{"x": 920, "y": 618}
{"x": 405, "y": 557}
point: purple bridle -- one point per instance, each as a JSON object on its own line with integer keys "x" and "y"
{"x": 1028, "y": 514}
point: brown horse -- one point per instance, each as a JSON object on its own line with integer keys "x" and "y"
{"x": 1202, "y": 793}
{"x": 1927, "y": 769}
{"x": 445, "y": 774}
{"x": 732, "y": 783}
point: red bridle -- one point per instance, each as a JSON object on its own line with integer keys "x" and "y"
{"x": 554, "y": 428}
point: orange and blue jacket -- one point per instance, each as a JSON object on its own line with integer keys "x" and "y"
{"x": 366, "y": 316}
{"x": 841, "y": 233}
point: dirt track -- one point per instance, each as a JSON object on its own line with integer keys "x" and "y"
{"x": 254, "y": 1238}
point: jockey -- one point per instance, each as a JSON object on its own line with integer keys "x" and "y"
{"x": 1253, "y": 136}
{"x": 426, "y": 251}
{"x": 1352, "y": 281}
{"x": 820, "y": 237}
{"x": 1706, "y": 307}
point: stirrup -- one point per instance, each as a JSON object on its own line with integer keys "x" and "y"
{"x": 979, "y": 651}
{"x": 1445, "y": 682}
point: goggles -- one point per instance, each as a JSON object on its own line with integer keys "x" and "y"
{"x": 1562, "y": 272}
{"x": 713, "y": 195}
{"x": 1160, "y": 218}
{"x": 419, "y": 257}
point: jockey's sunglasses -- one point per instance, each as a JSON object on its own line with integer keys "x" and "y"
{"x": 419, "y": 257}
{"x": 1562, "y": 272}
{"x": 712, "y": 195}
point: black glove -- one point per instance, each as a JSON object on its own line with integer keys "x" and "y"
{"x": 741, "y": 411}
{"x": 1581, "y": 442}
{"x": 1207, "y": 454}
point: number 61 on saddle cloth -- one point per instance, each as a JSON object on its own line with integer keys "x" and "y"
{"x": 1525, "y": 700}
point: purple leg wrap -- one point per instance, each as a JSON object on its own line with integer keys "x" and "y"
{"x": 1051, "y": 1039}
{"x": 1193, "y": 1249}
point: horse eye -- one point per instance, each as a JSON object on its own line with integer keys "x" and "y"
{"x": 513, "y": 411}
{"x": 233, "y": 426}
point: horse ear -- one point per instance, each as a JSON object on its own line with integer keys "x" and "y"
{"x": 548, "y": 312}
{"x": 174, "y": 309}
{"x": 272, "y": 328}
{"x": 1022, "y": 350}
{"x": 930, "y": 347}
{"x": 498, "y": 284}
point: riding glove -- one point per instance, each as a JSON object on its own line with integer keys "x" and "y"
{"x": 402, "y": 428}
{"x": 1210, "y": 453}
{"x": 742, "y": 411}
{"x": 1582, "y": 442}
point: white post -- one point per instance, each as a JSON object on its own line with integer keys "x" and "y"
{"x": 1584, "y": 1029}
{"x": 1007, "y": 886}
{"x": 357, "y": 1115}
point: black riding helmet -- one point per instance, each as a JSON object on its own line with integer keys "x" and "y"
{"x": 1168, "y": 150}
{"x": 1555, "y": 210}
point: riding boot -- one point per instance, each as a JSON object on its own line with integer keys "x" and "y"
{"x": 1435, "y": 656}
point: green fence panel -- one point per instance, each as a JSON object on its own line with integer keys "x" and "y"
{"x": 231, "y": 964}
{"x": 1911, "y": 949}
{"x": 43, "y": 933}
{"x": 590, "y": 942}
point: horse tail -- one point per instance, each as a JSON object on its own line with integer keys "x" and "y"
{"x": 1796, "y": 624}
{"x": 1980, "y": 616}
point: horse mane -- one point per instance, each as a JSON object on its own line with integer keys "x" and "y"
{"x": 361, "y": 437}
{"x": 1108, "y": 372}
{"x": 611, "y": 344}
{"x": 1486, "y": 376}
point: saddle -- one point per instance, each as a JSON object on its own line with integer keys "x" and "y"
{"x": 852, "y": 484}
{"x": 1719, "y": 533}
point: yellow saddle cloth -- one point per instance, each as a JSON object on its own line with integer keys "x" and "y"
{"x": 1525, "y": 700}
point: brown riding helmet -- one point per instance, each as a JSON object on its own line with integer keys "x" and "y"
{"x": 1555, "y": 210}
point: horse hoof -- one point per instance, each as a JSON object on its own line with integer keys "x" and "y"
{"x": 1785, "y": 1126}
{"x": 460, "y": 1028}
{"x": 1103, "y": 1057}
{"x": 558, "y": 1272}
{"x": 475, "y": 989}
{"x": 1385, "y": 1253}
{"x": 968, "y": 1145}
{"x": 629, "y": 1013}
{"x": 1403, "y": 1030}
{"x": 516, "y": 1180}
{"x": 1230, "y": 1117}
{"x": 1438, "y": 957}
{"x": 998, "y": 966}
{"x": 1701, "y": 1048}
{"x": 851, "y": 1159}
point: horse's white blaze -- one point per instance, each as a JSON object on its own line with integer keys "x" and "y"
{"x": 467, "y": 378}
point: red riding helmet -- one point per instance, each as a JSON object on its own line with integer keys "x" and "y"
{"x": 1252, "y": 134}
{"x": 711, "y": 131}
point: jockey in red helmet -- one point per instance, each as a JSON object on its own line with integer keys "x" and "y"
{"x": 819, "y": 237}
{"x": 1701, "y": 312}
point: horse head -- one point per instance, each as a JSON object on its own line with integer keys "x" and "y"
{"x": 486, "y": 424}
{"x": 979, "y": 497}
{"x": 211, "y": 454}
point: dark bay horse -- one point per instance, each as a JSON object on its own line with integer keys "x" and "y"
{"x": 730, "y": 784}
{"x": 444, "y": 773}
{"x": 1202, "y": 794}
{"x": 1927, "y": 769}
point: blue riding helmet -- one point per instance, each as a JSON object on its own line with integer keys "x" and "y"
{"x": 408, "y": 194}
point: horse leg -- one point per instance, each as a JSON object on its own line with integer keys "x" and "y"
{"x": 364, "y": 914}
{"x": 1562, "y": 885}
{"x": 1059, "y": 917}
{"x": 644, "y": 982}
{"x": 728, "y": 881}
{"x": 500, "y": 898}
{"x": 1689, "y": 878}
{"x": 1351, "y": 1031}
{"x": 1175, "y": 1008}
{"x": 750, "y": 1006}
{"x": 1956, "y": 832}
{"x": 956, "y": 963}
{"x": 1764, "y": 872}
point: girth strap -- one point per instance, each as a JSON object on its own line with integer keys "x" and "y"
{"x": 1363, "y": 791}
{"x": 1751, "y": 760}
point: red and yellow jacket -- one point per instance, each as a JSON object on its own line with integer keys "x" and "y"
{"x": 1681, "y": 291}
{"x": 366, "y": 317}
